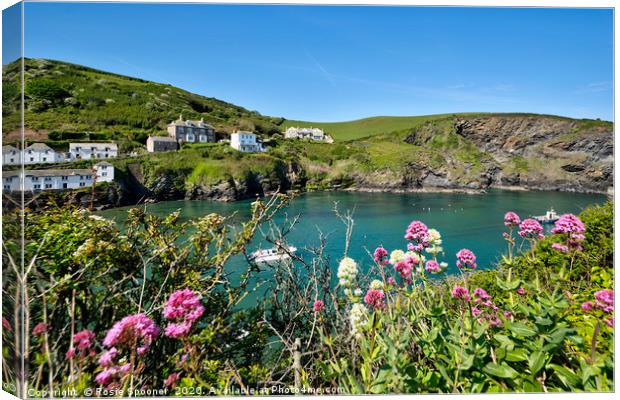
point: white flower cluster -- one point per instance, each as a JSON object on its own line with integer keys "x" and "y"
{"x": 396, "y": 256}
{"x": 435, "y": 242}
{"x": 357, "y": 318}
{"x": 376, "y": 284}
{"x": 347, "y": 273}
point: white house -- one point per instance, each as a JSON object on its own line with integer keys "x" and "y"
{"x": 57, "y": 179}
{"x": 245, "y": 142}
{"x": 87, "y": 151}
{"x": 307, "y": 133}
{"x": 11, "y": 155}
{"x": 41, "y": 153}
{"x": 191, "y": 131}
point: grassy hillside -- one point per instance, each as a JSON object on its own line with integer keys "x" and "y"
{"x": 362, "y": 128}
{"x": 67, "y": 101}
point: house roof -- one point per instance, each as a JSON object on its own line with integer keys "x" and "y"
{"x": 8, "y": 147}
{"x": 93, "y": 144}
{"x": 38, "y": 146}
{"x": 163, "y": 139}
{"x": 107, "y": 164}
{"x": 190, "y": 123}
{"x": 48, "y": 172}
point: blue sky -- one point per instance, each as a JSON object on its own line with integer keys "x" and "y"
{"x": 342, "y": 63}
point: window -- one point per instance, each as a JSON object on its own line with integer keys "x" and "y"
{"x": 12, "y": 160}
{"x": 47, "y": 178}
{"x": 44, "y": 158}
{"x": 64, "y": 185}
{"x": 48, "y": 185}
{"x": 81, "y": 177}
{"x": 104, "y": 174}
{"x": 82, "y": 184}
{"x": 31, "y": 158}
{"x": 37, "y": 186}
{"x": 64, "y": 178}
{"x": 35, "y": 178}
{"x": 88, "y": 177}
{"x": 7, "y": 187}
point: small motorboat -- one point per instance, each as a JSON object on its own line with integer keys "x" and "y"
{"x": 273, "y": 255}
{"x": 549, "y": 218}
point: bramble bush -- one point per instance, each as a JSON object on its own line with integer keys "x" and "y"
{"x": 154, "y": 306}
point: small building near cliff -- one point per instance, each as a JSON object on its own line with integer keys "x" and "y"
{"x": 189, "y": 131}
{"x": 57, "y": 179}
{"x": 156, "y": 144}
{"x": 88, "y": 151}
{"x": 315, "y": 134}
{"x": 246, "y": 142}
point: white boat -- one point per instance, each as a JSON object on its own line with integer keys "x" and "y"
{"x": 550, "y": 217}
{"x": 273, "y": 255}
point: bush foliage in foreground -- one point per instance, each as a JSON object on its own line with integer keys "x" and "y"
{"x": 154, "y": 307}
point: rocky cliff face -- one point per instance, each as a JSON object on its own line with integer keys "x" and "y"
{"x": 543, "y": 152}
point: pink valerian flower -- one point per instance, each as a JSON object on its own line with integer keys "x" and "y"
{"x": 130, "y": 331}
{"x": 39, "y": 329}
{"x": 495, "y": 322}
{"x": 106, "y": 377}
{"x": 70, "y": 353}
{"x": 318, "y": 306}
{"x": 381, "y": 256}
{"x": 459, "y": 292}
{"x": 605, "y": 300}
{"x": 404, "y": 269}
{"x": 374, "y": 298}
{"x": 481, "y": 295}
{"x": 476, "y": 311}
{"x": 432, "y": 266}
{"x": 520, "y": 291}
{"x": 6, "y": 325}
{"x": 83, "y": 340}
{"x": 562, "y": 248}
{"x": 587, "y": 306}
{"x": 183, "y": 305}
{"x": 511, "y": 219}
{"x": 507, "y": 314}
{"x": 569, "y": 223}
{"x": 172, "y": 379}
{"x": 391, "y": 281}
{"x": 417, "y": 233}
{"x": 609, "y": 321}
{"x": 107, "y": 358}
{"x": 178, "y": 329}
{"x": 530, "y": 229}
{"x": 466, "y": 259}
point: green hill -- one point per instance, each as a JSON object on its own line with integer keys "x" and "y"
{"x": 65, "y": 101}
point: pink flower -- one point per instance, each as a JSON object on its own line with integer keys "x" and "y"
{"x": 107, "y": 358}
{"x": 391, "y": 280}
{"x": 562, "y": 248}
{"x": 466, "y": 259}
{"x": 569, "y": 223}
{"x": 380, "y": 256}
{"x": 417, "y": 233}
{"x": 172, "y": 379}
{"x": 481, "y": 294}
{"x": 39, "y": 329}
{"x": 476, "y": 311}
{"x": 105, "y": 377}
{"x": 495, "y": 322}
{"x": 404, "y": 269}
{"x": 520, "y": 290}
{"x": 609, "y": 321}
{"x": 83, "y": 340}
{"x": 183, "y": 305}
{"x": 6, "y": 325}
{"x": 511, "y": 219}
{"x": 432, "y": 266}
{"x": 132, "y": 330}
{"x": 530, "y": 229}
{"x": 70, "y": 353}
{"x": 124, "y": 369}
{"x": 605, "y": 300}
{"x": 587, "y": 306}
{"x": 374, "y": 298}
{"x": 459, "y": 292}
{"x": 507, "y": 314}
{"x": 318, "y": 306}
{"x": 177, "y": 330}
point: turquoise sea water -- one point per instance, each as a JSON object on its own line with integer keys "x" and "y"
{"x": 473, "y": 221}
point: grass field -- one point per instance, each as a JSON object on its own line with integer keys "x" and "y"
{"x": 361, "y": 128}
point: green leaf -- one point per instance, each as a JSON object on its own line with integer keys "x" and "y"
{"x": 568, "y": 377}
{"x": 535, "y": 362}
{"x": 502, "y": 370}
{"x": 519, "y": 328}
{"x": 467, "y": 362}
{"x": 516, "y": 355}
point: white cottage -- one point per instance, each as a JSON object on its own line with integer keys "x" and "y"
{"x": 11, "y": 155}
{"x": 57, "y": 179}
{"x": 38, "y": 153}
{"x": 245, "y": 142}
{"x": 87, "y": 151}
{"x": 307, "y": 133}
